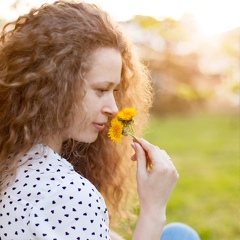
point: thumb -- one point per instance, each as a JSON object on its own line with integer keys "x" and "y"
{"x": 141, "y": 158}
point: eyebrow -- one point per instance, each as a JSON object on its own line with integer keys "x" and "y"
{"x": 105, "y": 83}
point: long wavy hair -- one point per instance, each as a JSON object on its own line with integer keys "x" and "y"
{"x": 44, "y": 56}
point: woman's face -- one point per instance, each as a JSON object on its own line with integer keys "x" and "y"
{"x": 99, "y": 102}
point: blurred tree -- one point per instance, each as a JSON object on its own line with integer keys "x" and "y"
{"x": 146, "y": 22}
{"x": 171, "y": 30}
{"x": 170, "y": 70}
{"x": 230, "y": 43}
{"x": 231, "y": 48}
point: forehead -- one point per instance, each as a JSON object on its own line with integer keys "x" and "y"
{"x": 106, "y": 57}
{"x": 105, "y": 65}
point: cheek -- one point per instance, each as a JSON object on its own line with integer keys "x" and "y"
{"x": 78, "y": 118}
{"x": 92, "y": 105}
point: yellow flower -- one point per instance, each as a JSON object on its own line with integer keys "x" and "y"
{"x": 122, "y": 125}
{"x": 115, "y": 131}
{"x": 127, "y": 114}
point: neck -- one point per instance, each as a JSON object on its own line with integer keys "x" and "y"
{"x": 54, "y": 142}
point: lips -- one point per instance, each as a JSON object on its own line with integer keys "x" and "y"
{"x": 99, "y": 126}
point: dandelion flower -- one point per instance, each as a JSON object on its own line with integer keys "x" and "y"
{"x": 116, "y": 130}
{"x": 121, "y": 125}
{"x": 127, "y": 114}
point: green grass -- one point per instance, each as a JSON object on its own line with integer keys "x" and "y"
{"x": 205, "y": 150}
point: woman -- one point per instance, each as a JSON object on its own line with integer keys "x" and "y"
{"x": 65, "y": 71}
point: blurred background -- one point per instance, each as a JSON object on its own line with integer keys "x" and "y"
{"x": 192, "y": 48}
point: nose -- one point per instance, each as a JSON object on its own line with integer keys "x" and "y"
{"x": 110, "y": 107}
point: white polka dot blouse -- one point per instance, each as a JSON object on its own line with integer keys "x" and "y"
{"x": 49, "y": 200}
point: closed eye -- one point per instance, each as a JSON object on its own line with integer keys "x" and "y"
{"x": 102, "y": 90}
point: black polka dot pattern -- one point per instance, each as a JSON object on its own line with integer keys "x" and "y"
{"x": 49, "y": 200}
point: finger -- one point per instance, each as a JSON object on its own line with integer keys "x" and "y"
{"x": 150, "y": 149}
{"x": 166, "y": 156}
{"x": 134, "y": 157}
{"x": 164, "y": 153}
{"x": 141, "y": 158}
{"x": 145, "y": 144}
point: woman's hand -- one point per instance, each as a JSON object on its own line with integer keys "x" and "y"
{"x": 154, "y": 186}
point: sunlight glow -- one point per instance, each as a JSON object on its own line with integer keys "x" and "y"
{"x": 213, "y": 16}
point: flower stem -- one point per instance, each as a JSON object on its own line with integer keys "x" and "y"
{"x": 134, "y": 137}
{"x": 130, "y": 127}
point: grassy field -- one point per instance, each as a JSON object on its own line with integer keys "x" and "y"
{"x": 205, "y": 150}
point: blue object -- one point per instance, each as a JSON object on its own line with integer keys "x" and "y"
{"x": 179, "y": 231}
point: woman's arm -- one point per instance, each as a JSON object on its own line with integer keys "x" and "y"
{"x": 154, "y": 189}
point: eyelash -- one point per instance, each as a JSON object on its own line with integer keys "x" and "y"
{"x": 102, "y": 90}
{"x": 105, "y": 90}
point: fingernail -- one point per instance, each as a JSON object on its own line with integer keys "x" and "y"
{"x": 133, "y": 145}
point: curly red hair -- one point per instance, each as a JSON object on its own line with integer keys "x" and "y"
{"x": 44, "y": 56}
